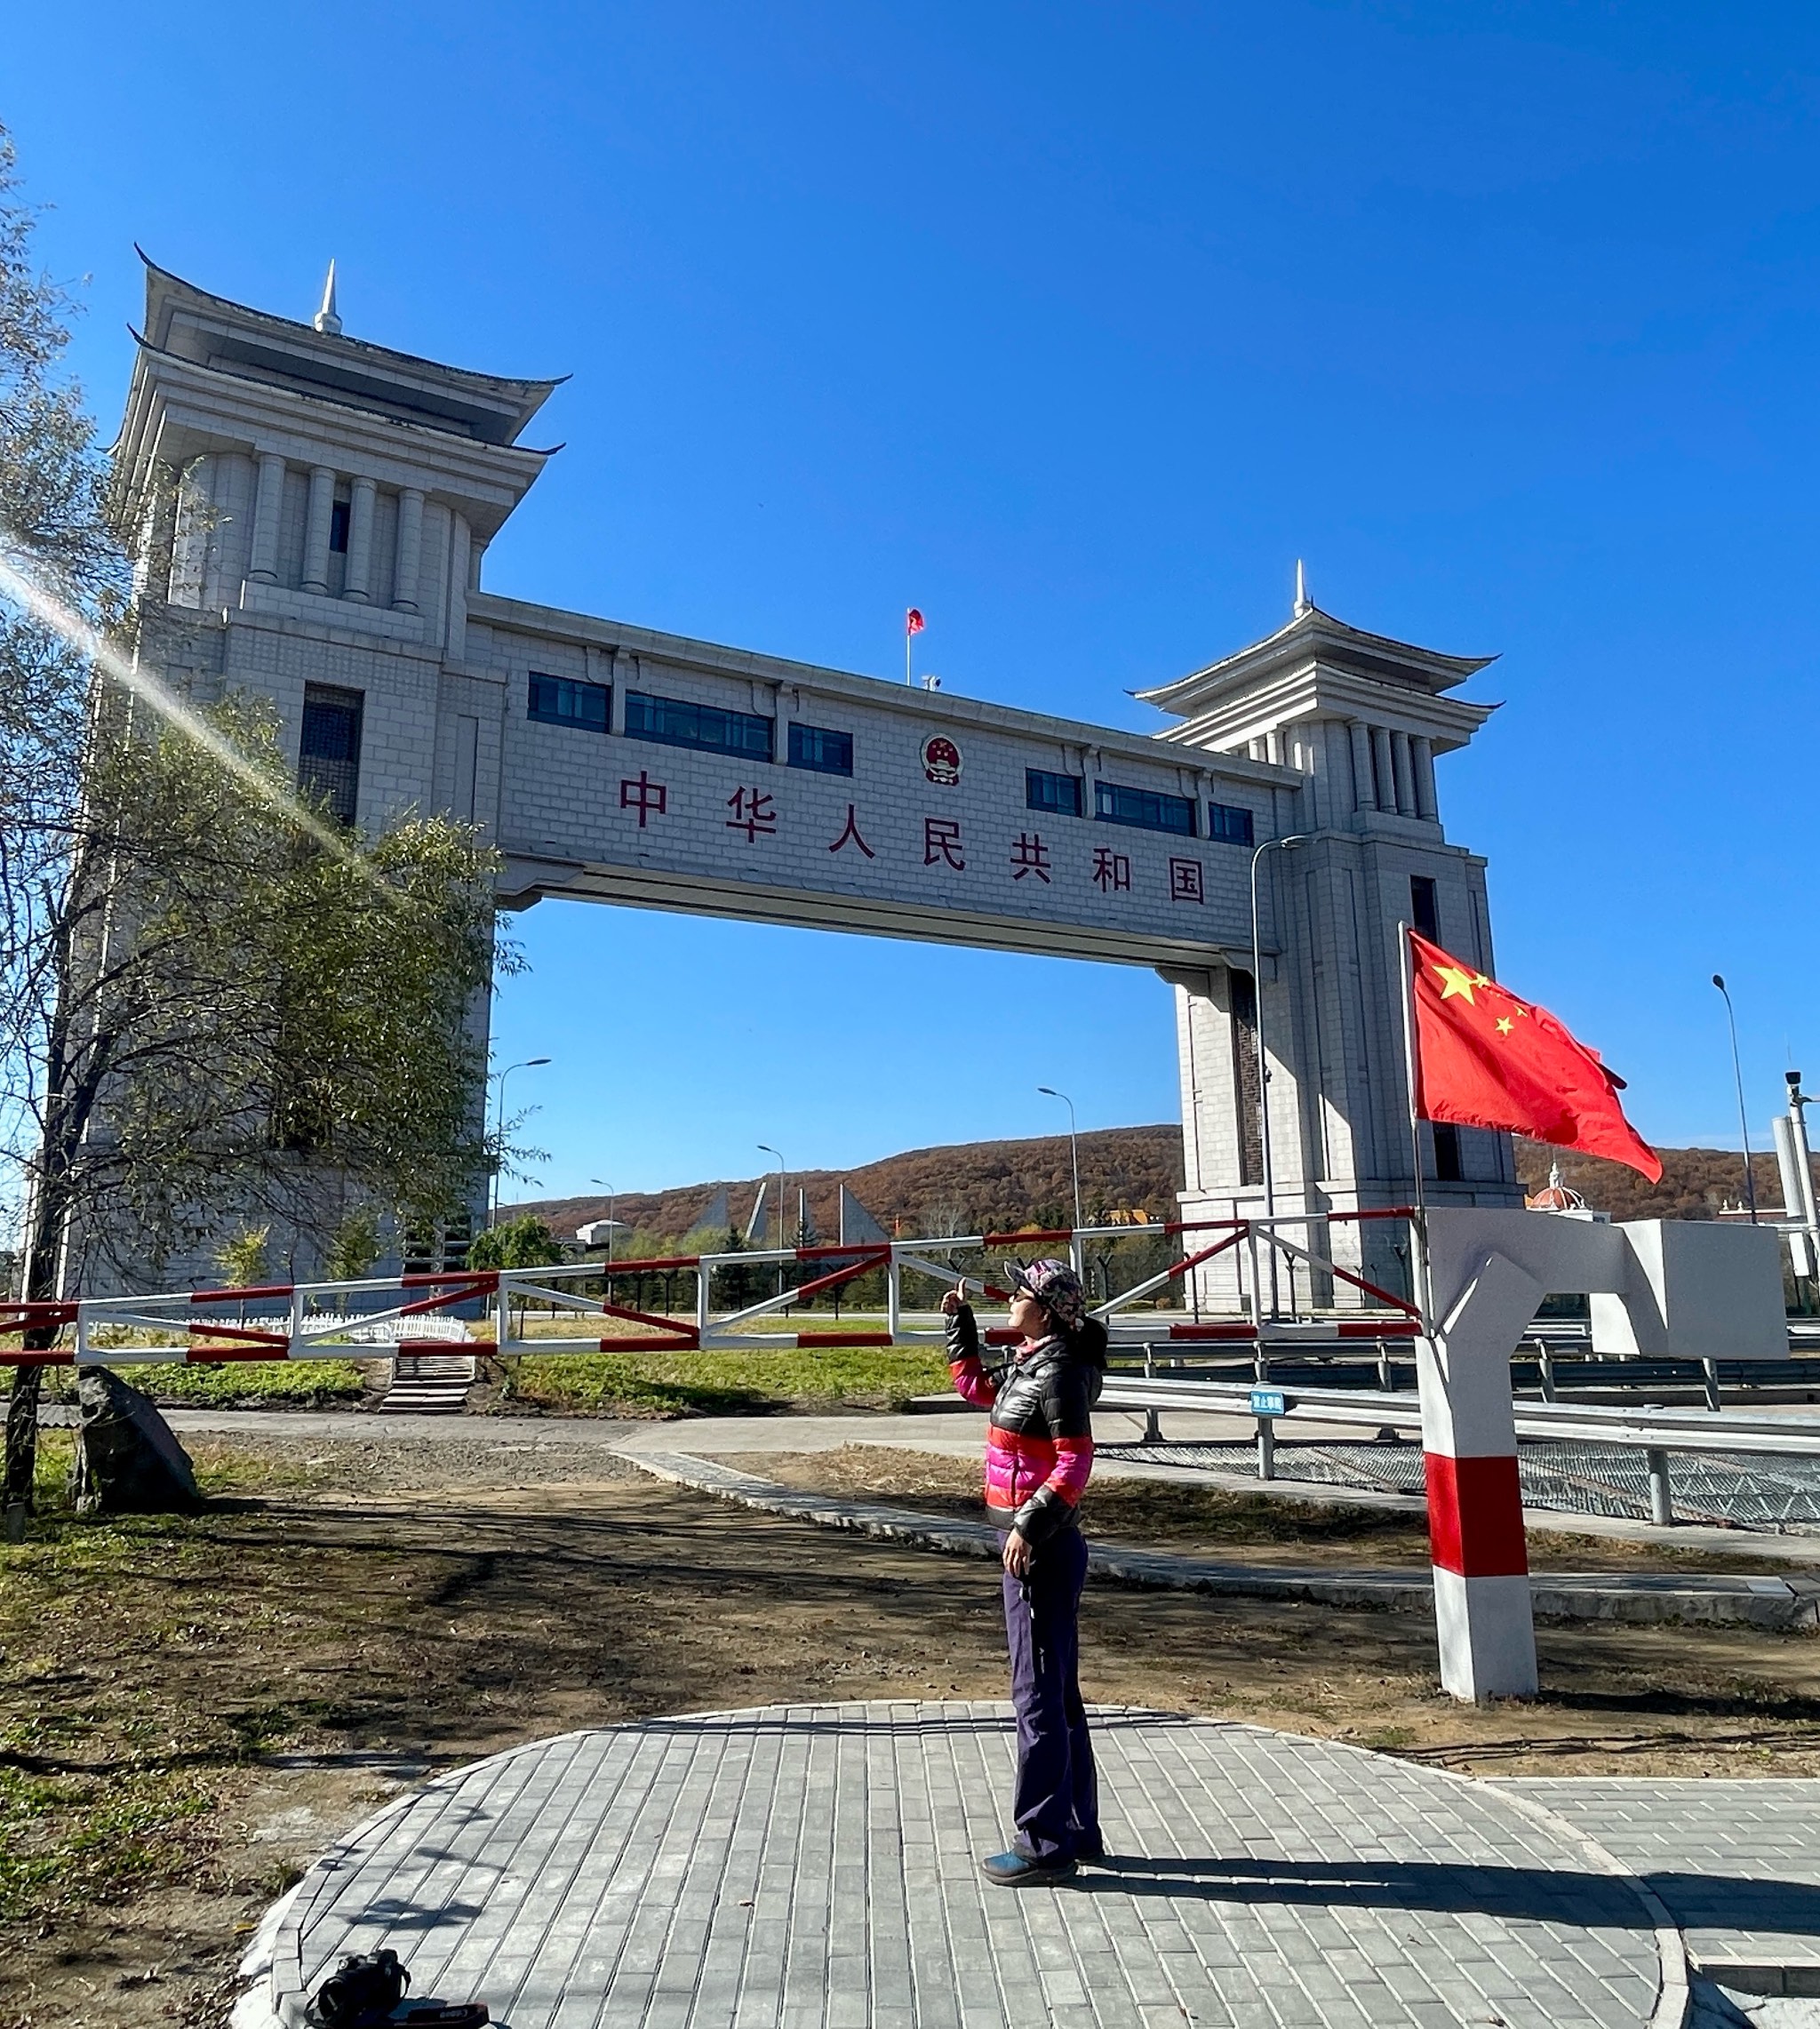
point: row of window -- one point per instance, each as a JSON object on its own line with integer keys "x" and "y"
{"x": 1148, "y": 810}
{"x": 671, "y": 722}
{"x": 331, "y": 760}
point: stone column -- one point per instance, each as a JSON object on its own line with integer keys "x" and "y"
{"x": 461, "y": 555}
{"x": 1364, "y": 796}
{"x": 1422, "y": 762}
{"x": 409, "y": 548}
{"x": 262, "y": 565}
{"x": 1386, "y": 773}
{"x": 316, "y": 529}
{"x": 1405, "y": 777}
{"x": 1423, "y": 769}
{"x": 360, "y": 542}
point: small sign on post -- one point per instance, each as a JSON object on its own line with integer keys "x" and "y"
{"x": 1269, "y": 1401}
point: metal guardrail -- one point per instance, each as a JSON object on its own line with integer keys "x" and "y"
{"x": 1657, "y": 1432}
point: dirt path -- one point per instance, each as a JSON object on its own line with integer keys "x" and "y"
{"x": 192, "y": 1709}
{"x": 1208, "y": 1521}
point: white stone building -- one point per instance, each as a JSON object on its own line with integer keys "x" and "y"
{"x": 335, "y": 504}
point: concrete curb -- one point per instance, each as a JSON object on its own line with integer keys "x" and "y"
{"x": 1771, "y": 1604}
{"x": 1674, "y": 1996}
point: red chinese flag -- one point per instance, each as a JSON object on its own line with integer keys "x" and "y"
{"x": 912, "y": 621}
{"x": 1485, "y": 1058}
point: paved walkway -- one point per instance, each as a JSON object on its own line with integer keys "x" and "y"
{"x": 1737, "y": 1863}
{"x": 817, "y": 1865}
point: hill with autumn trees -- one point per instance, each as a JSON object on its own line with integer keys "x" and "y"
{"x": 976, "y": 1186}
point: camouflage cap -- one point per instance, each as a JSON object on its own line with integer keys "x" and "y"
{"x": 1056, "y": 1287}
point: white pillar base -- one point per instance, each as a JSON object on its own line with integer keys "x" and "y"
{"x": 1488, "y": 1636}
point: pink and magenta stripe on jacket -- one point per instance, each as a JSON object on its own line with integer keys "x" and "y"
{"x": 1016, "y": 1466}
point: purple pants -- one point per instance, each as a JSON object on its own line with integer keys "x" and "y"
{"x": 1057, "y": 1802}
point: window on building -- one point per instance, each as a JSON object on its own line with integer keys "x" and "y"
{"x": 1147, "y": 809}
{"x": 329, "y": 761}
{"x": 1247, "y": 1088}
{"x": 672, "y": 723}
{"x": 1447, "y": 1153}
{"x": 338, "y": 525}
{"x": 821, "y": 749}
{"x": 1424, "y": 918}
{"x": 1230, "y": 822}
{"x": 1059, "y": 794}
{"x": 564, "y": 701}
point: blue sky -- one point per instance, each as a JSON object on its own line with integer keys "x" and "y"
{"x": 1075, "y": 325}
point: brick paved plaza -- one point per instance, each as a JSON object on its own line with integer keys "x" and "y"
{"x": 817, "y": 1865}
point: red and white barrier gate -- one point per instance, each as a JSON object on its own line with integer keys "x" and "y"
{"x": 352, "y": 1319}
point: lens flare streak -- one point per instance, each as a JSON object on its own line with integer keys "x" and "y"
{"x": 25, "y": 591}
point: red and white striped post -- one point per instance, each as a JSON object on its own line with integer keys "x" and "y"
{"x": 1474, "y": 1304}
{"x": 1484, "y": 1274}
{"x": 1483, "y": 1301}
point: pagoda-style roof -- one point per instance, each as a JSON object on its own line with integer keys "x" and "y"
{"x": 1313, "y": 639}
{"x": 190, "y": 324}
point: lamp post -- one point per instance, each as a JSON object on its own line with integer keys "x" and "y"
{"x": 765, "y": 1149}
{"x": 527, "y": 1064}
{"x": 1743, "y": 1118}
{"x": 611, "y": 1197}
{"x": 1269, "y": 845}
{"x": 1049, "y": 1092}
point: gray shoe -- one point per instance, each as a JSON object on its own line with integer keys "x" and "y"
{"x": 1018, "y": 1870}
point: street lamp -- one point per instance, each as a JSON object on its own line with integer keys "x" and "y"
{"x": 1269, "y": 845}
{"x": 1049, "y": 1092}
{"x": 1743, "y": 1118}
{"x": 529, "y": 1063}
{"x": 765, "y": 1149}
{"x": 608, "y": 1188}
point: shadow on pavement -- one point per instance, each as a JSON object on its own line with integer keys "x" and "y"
{"x": 1705, "y": 1901}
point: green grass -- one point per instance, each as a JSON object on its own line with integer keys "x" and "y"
{"x": 56, "y": 1454}
{"x": 219, "y": 1469}
{"x": 285, "y": 1382}
{"x": 64, "y": 1848}
{"x": 726, "y": 1383}
{"x": 88, "y": 1806}
{"x": 720, "y": 1383}
{"x": 289, "y": 1384}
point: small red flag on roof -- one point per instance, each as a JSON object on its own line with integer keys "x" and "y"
{"x": 912, "y": 621}
{"x": 1485, "y": 1058}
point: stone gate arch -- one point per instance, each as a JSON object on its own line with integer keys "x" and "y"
{"x": 326, "y": 549}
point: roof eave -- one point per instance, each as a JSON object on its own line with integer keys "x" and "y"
{"x": 526, "y": 395}
{"x": 1306, "y": 636}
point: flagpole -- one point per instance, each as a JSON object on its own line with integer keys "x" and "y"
{"x": 908, "y": 637}
{"x": 1419, "y": 1233}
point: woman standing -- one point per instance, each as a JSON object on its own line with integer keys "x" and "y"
{"x": 1039, "y": 1452}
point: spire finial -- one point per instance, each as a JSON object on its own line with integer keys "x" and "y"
{"x": 1303, "y": 604}
{"x": 326, "y": 319}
